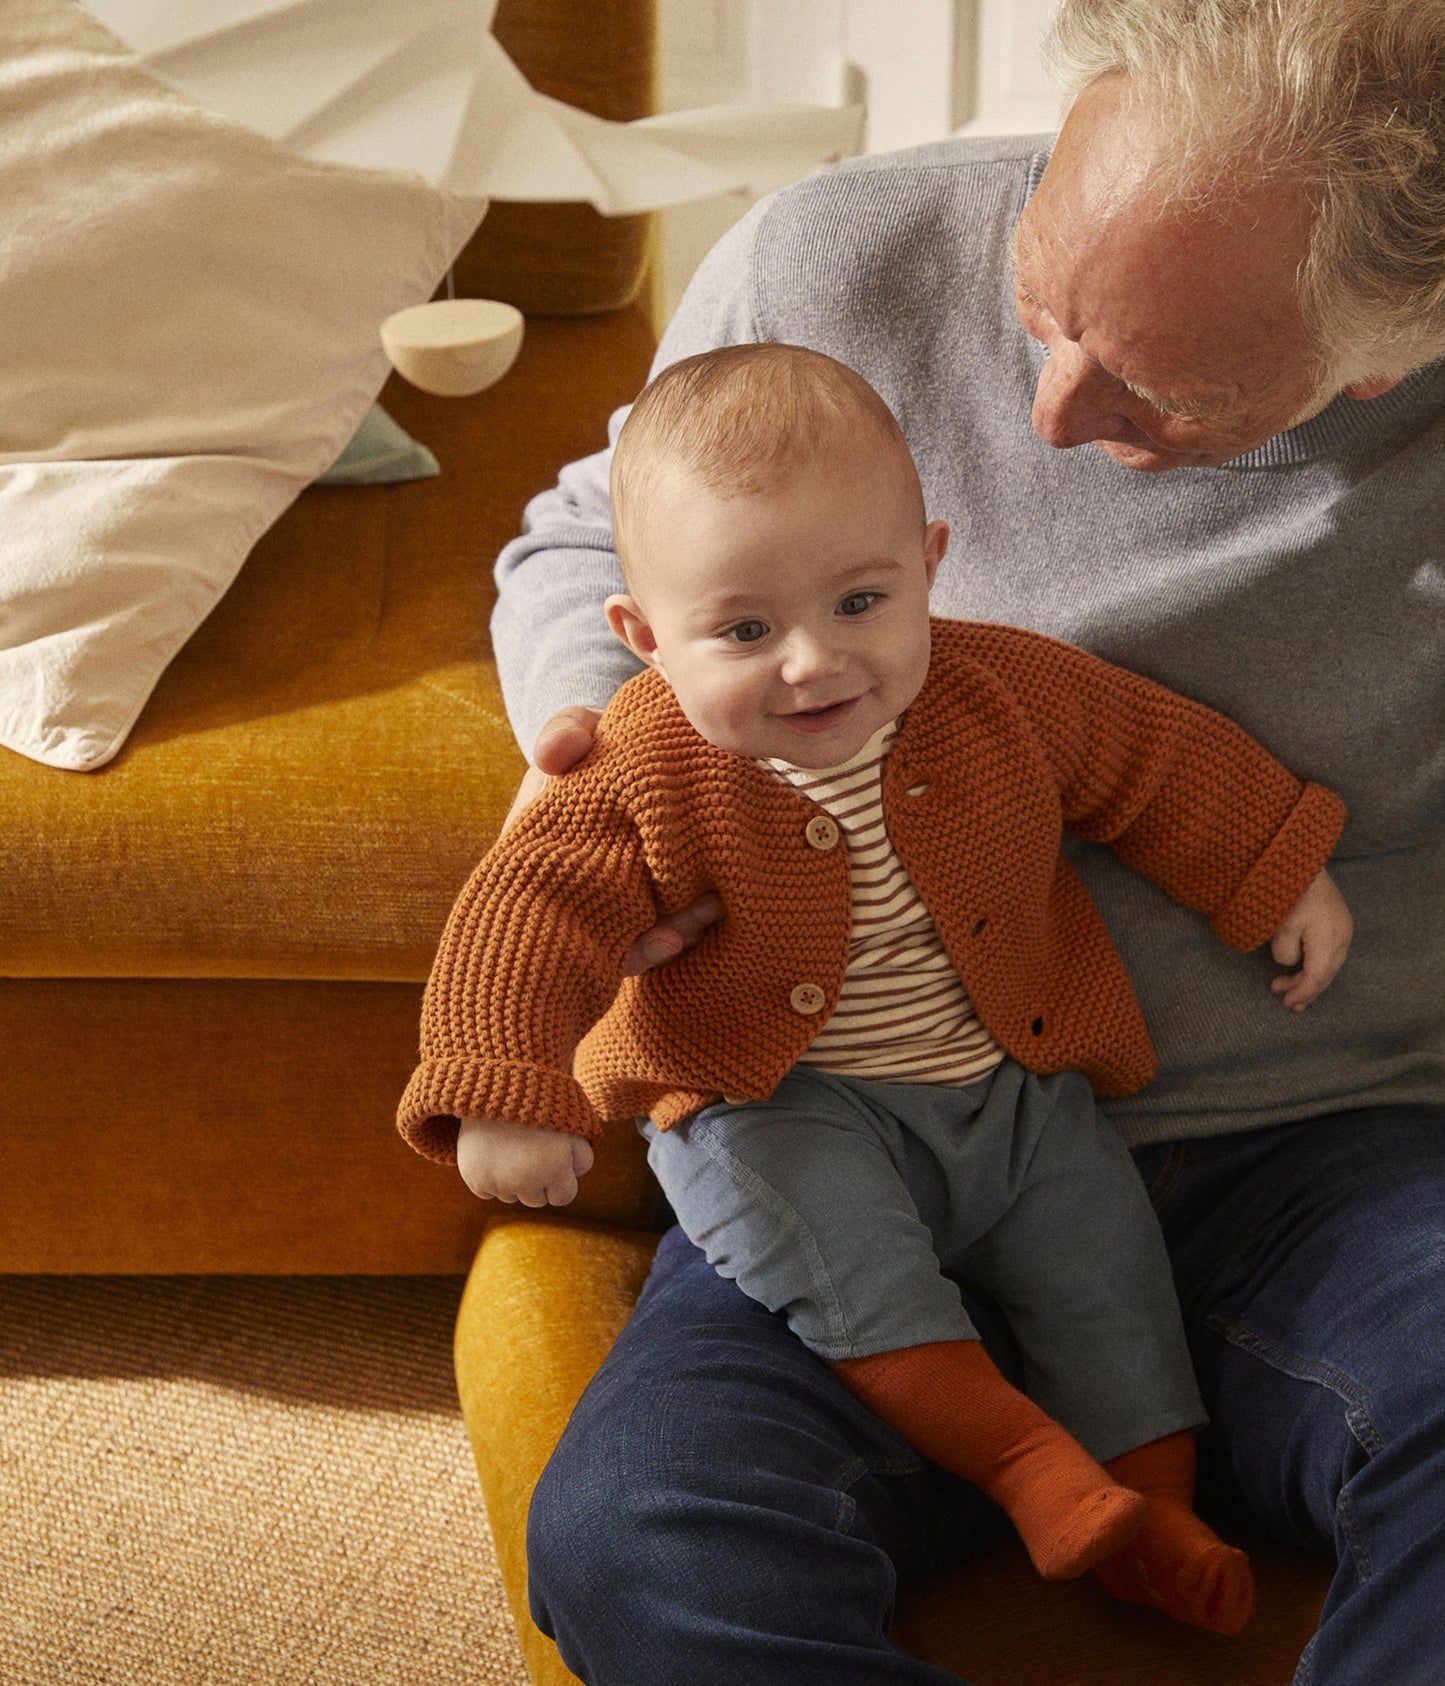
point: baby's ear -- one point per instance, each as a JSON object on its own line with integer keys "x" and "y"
{"x": 935, "y": 542}
{"x": 625, "y": 617}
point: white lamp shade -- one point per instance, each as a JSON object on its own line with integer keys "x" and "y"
{"x": 423, "y": 85}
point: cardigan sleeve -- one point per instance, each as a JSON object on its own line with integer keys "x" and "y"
{"x": 1182, "y": 794}
{"x": 532, "y": 956}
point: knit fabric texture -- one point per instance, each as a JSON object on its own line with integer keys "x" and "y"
{"x": 1013, "y": 737}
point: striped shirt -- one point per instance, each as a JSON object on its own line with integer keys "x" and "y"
{"x": 903, "y": 1015}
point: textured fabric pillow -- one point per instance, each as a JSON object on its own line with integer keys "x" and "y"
{"x": 381, "y": 453}
{"x": 189, "y": 334}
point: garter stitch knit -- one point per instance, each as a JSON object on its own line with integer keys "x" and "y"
{"x": 527, "y": 1018}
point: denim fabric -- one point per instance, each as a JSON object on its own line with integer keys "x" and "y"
{"x": 1310, "y": 1260}
{"x": 840, "y": 1201}
{"x": 722, "y": 1509}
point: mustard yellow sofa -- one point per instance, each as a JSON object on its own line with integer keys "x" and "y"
{"x": 212, "y": 950}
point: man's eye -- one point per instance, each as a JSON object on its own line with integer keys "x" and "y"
{"x": 856, "y": 602}
{"x": 746, "y": 632}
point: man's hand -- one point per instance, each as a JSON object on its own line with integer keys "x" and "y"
{"x": 1315, "y": 936}
{"x": 561, "y": 744}
{"x": 513, "y": 1162}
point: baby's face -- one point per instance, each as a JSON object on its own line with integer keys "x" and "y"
{"x": 790, "y": 623}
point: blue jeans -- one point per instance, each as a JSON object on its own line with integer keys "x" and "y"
{"x": 722, "y": 1509}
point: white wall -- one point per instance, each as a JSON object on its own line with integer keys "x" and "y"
{"x": 923, "y": 68}
{"x": 1012, "y": 93}
{"x": 704, "y": 49}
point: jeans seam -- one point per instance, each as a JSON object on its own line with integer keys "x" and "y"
{"x": 1344, "y": 1387}
{"x": 1167, "y": 1176}
{"x": 856, "y": 1469}
{"x": 1357, "y": 1419}
{"x": 1305, "y": 1673}
{"x": 1345, "y": 1515}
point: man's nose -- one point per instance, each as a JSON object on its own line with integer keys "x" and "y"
{"x": 1074, "y": 400}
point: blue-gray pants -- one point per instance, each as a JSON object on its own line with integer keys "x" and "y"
{"x": 840, "y": 1203}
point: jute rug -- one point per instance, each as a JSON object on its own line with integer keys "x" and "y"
{"x": 240, "y": 1482}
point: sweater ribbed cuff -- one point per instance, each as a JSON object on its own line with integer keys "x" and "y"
{"x": 508, "y": 1091}
{"x": 1284, "y": 871}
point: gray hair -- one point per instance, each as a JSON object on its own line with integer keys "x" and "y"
{"x": 1346, "y": 97}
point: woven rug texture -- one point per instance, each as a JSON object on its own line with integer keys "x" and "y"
{"x": 223, "y": 1481}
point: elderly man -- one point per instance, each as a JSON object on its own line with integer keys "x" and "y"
{"x": 1220, "y": 301}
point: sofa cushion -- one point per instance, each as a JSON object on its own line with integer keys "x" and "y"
{"x": 568, "y": 259}
{"x": 322, "y": 765}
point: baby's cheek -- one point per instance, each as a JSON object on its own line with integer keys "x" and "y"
{"x": 738, "y": 730}
{"x": 715, "y": 712}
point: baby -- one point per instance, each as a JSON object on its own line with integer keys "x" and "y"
{"x": 880, "y": 1064}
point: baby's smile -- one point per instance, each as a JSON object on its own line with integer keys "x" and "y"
{"x": 819, "y": 719}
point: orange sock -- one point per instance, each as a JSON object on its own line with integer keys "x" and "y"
{"x": 951, "y": 1402}
{"x": 1176, "y": 1563}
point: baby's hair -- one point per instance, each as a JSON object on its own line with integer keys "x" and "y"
{"x": 741, "y": 420}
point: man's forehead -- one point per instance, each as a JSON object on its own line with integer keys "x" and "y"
{"x": 1209, "y": 288}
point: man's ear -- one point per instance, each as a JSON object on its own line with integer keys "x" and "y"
{"x": 1374, "y": 388}
{"x": 625, "y": 617}
{"x": 935, "y": 542}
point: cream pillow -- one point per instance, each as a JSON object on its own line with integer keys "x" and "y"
{"x": 189, "y": 322}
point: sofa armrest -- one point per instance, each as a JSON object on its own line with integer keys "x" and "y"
{"x": 543, "y": 1304}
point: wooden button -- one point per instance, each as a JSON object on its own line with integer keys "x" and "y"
{"x": 808, "y": 998}
{"x": 821, "y": 832}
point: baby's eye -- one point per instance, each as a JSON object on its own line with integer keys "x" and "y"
{"x": 746, "y": 632}
{"x": 857, "y": 602}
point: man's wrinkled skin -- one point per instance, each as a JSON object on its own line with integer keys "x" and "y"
{"x": 1174, "y": 334}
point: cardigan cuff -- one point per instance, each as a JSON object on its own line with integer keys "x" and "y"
{"x": 1284, "y": 871}
{"x": 444, "y": 1090}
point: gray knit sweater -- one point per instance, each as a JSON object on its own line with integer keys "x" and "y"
{"x": 1300, "y": 589}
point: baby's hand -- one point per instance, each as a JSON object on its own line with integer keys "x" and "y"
{"x": 514, "y": 1162}
{"x": 1315, "y": 936}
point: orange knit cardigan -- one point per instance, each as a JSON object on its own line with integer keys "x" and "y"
{"x": 527, "y": 1017}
